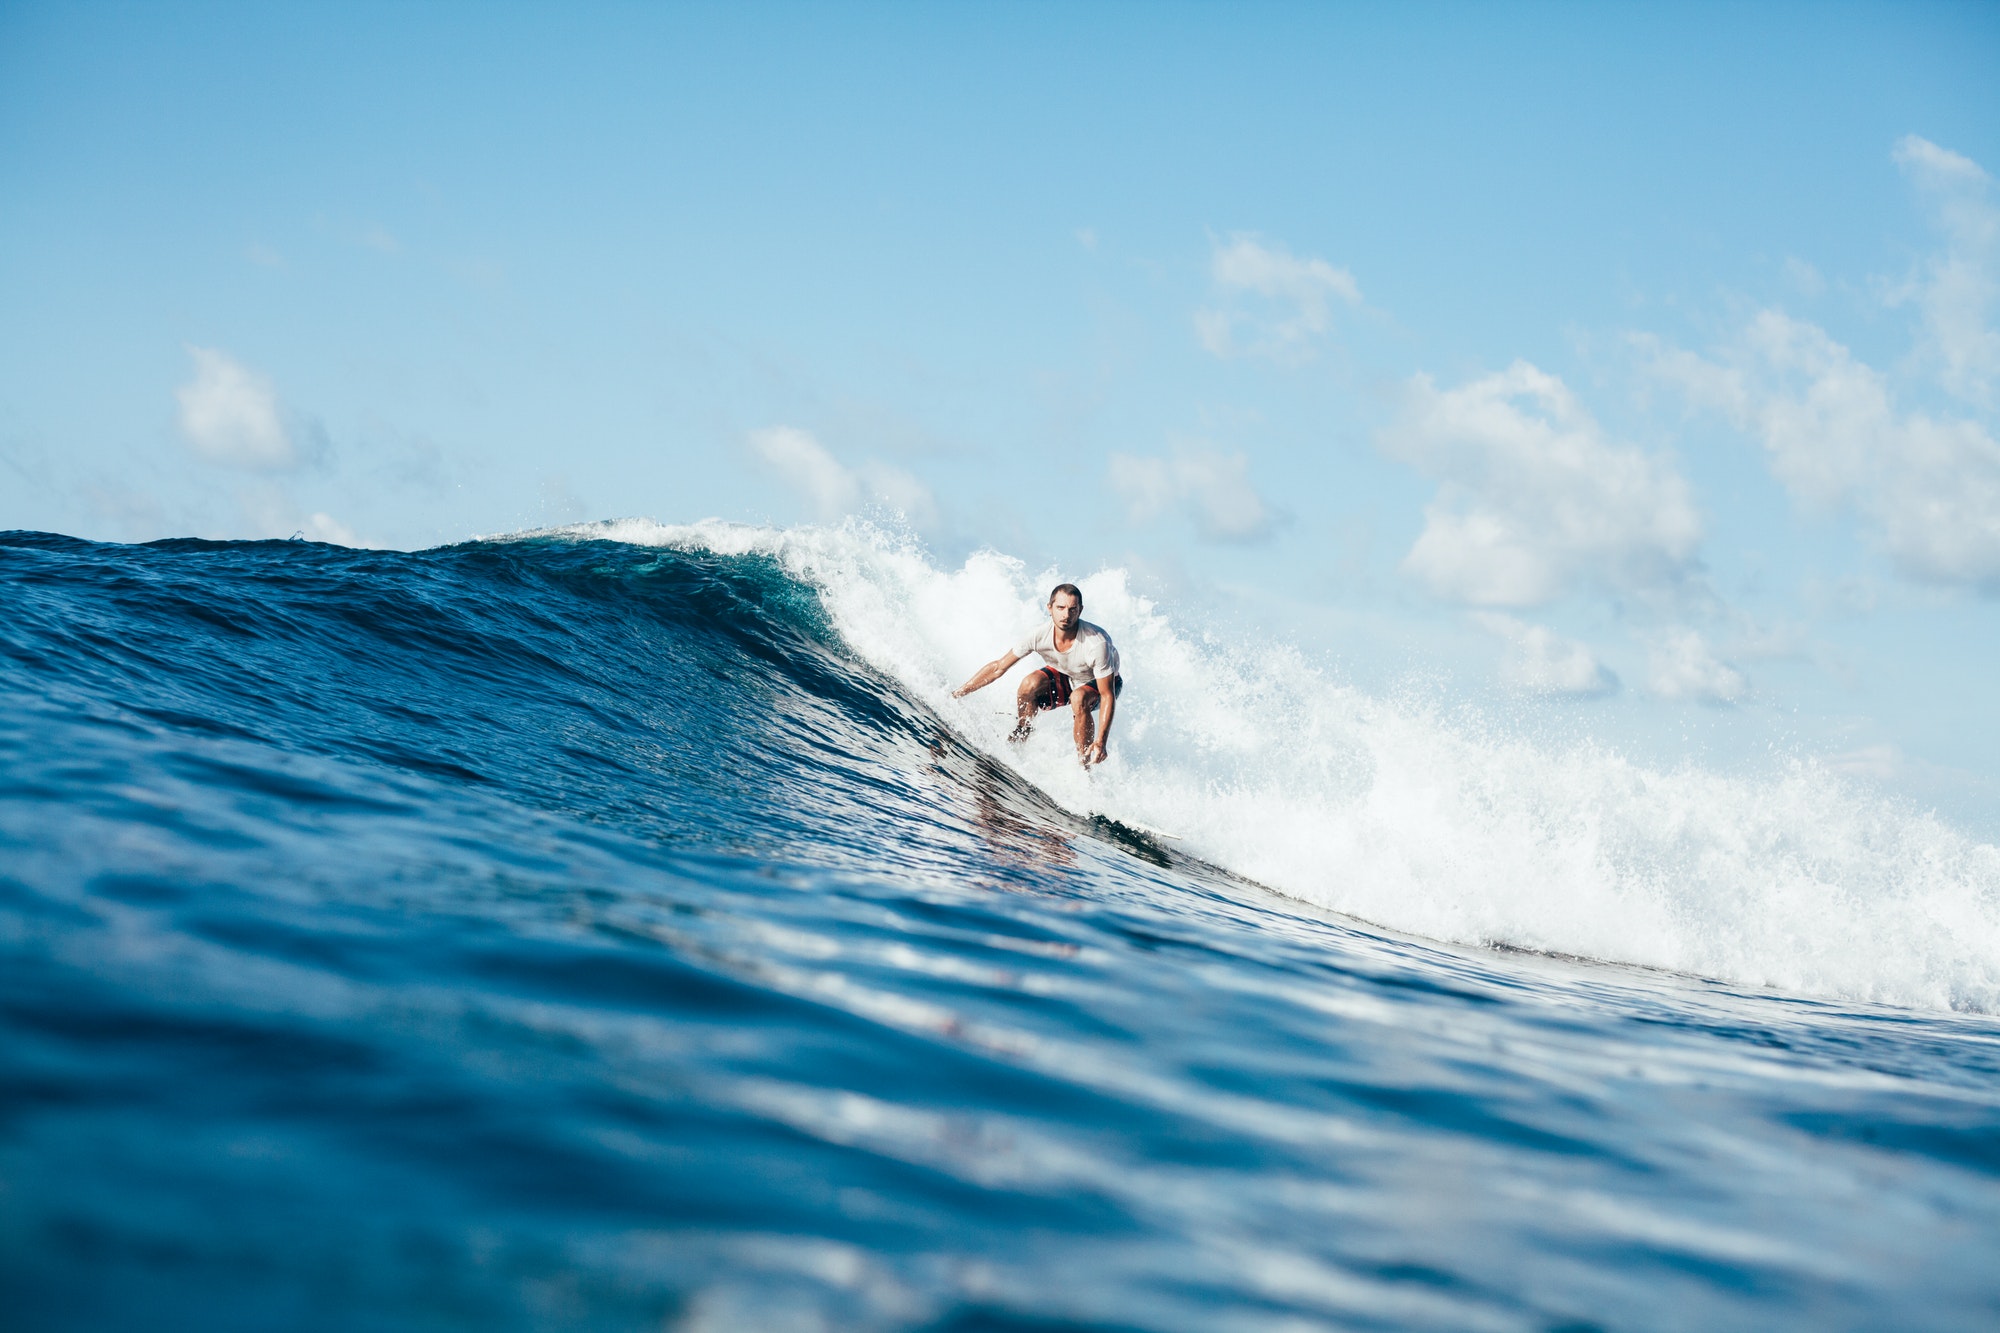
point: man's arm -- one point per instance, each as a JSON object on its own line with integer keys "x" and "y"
{"x": 986, "y": 675}
{"x": 1107, "y": 708}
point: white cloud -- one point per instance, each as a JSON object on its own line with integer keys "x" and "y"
{"x": 1540, "y": 661}
{"x": 270, "y": 513}
{"x": 834, "y": 490}
{"x": 1927, "y": 488}
{"x": 1956, "y": 288}
{"x": 803, "y": 463}
{"x": 326, "y": 528}
{"x": 1534, "y": 499}
{"x": 897, "y": 490}
{"x": 230, "y": 414}
{"x": 1293, "y": 301}
{"x": 1211, "y": 488}
{"x": 1681, "y": 665}
{"x": 1921, "y": 157}
{"x": 1804, "y": 277}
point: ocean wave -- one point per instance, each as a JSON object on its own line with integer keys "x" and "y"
{"x": 621, "y": 928}
{"x": 1386, "y": 810}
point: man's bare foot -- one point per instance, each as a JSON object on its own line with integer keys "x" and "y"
{"x": 1022, "y": 730}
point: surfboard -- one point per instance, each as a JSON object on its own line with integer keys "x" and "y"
{"x": 1133, "y": 826}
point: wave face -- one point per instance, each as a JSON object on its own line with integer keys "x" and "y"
{"x": 1398, "y": 815}
{"x": 621, "y": 928}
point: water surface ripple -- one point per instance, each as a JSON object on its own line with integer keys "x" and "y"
{"x": 569, "y": 934}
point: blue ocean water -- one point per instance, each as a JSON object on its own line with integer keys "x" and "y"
{"x": 572, "y": 932}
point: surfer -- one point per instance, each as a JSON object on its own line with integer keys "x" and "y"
{"x": 1082, "y": 672}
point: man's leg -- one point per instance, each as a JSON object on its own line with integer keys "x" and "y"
{"x": 1035, "y": 694}
{"x": 1083, "y": 704}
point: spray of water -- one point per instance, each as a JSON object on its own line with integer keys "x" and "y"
{"x": 1390, "y": 812}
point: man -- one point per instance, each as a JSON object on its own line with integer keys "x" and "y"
{"x": 1082, "y": 672}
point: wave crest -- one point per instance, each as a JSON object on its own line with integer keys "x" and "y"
{"x": 1388, "y": 811}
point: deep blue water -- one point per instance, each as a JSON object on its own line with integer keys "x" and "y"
{"x": 565, "y": 934}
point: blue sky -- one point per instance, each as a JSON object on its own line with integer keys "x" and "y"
{"x": 1630, "y": 371}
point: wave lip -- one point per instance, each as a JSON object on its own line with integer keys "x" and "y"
{"x": 1797, "y": 879}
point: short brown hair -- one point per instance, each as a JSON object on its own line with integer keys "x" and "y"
{"x": 1069, "y": 588}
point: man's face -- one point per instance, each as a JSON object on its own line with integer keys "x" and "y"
{"x": 1066, "y": 609}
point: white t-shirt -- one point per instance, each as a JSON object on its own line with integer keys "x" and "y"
{"x": 1089, "y": 658}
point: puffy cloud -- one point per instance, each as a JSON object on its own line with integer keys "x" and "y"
{"x": 1927, "y": 488}
{"x": 1924, "y": 159}
{"x": 803, "y": 463}
{"x": 1681, "y": 665}
{"x": 1273, "y": 304}
{"x": 229, "y": 414}
{"x": 833, "y": 489}
{"x": 1534, "y": 499}
{"x": 894, "y": 489}
{"x": 1957, "y": 287}
{"x": 1804, "y": 277}
{"x": 1213, "y": 489}
{"x": 1540, "y": 661}
{"x": 322, "y": 527}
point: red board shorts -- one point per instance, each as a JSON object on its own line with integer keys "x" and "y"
{"x": 1064, "y": 688}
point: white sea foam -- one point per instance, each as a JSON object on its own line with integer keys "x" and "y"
{"x": 1389, "y": 812}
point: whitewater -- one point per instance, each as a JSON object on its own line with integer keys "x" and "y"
{"x": 621, "y": 927}
{"x": 1388, "y": 812}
